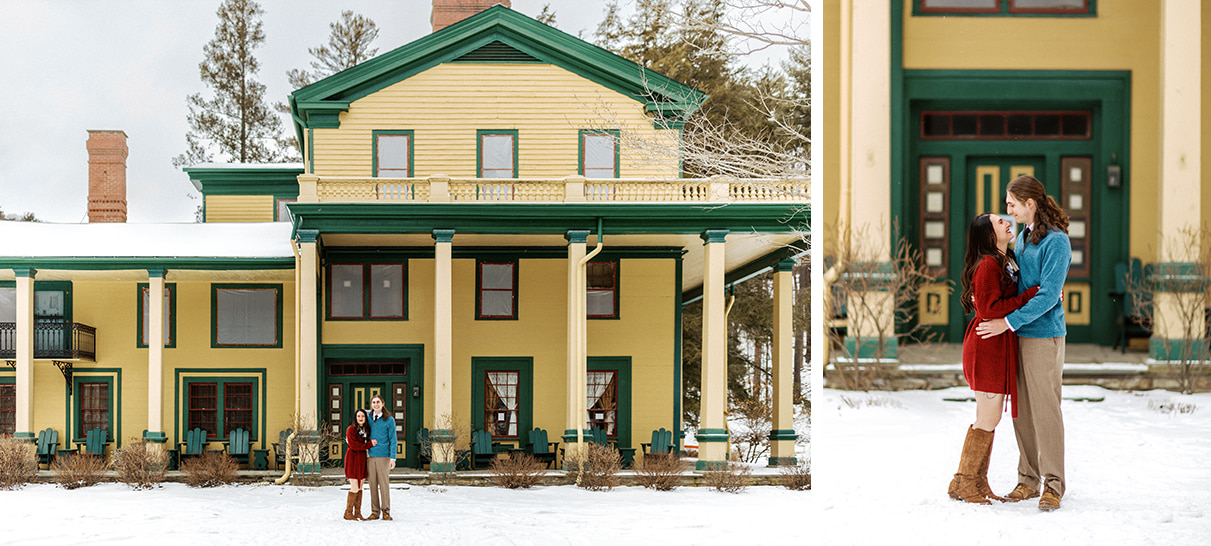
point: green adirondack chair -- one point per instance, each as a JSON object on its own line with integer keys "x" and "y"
{"x": 279, "y": 449}
{"x": 662, "y": 443}
{"x": 483, "y": 450}
{"x": 48, "y": 443}
{"x": 238, "y": 446}
{"x": 598, "y": 436}
{"x": 194, "y": 444}
{"x": 540, "y": 448}
{"x": 424, "y": 449}
{"x": 94, "y": 442}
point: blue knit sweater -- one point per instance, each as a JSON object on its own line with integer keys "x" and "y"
{"x": 1044, "y": 265}
{"x": 382, "y": 430}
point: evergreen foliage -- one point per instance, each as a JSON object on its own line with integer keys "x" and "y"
{"x": 236, "y": 122}
{"x": 348, "y": 45}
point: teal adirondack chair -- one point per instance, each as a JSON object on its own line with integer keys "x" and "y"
{"x": 483, "y": 450}
{"x": 540, "y": 448}
{"x": 48, "y": 443}
{"x": 598, "y": 436}
{"x": 424, "y": 449}
{"x": 662, "y": 443}
{"x": 94, "y": 442}
{"x": 238, "y": 445}
{"x": 195, "y": 443}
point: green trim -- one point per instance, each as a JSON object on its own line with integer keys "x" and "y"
{"x": 549, "y": 218}
{"x": 155, "y": 437}
{"x": 374, "y": 149}
{"x": 580, "y": 149}
{"x": 783, "y": 461}
{"x": 1172, "y": 349}
{"x": 712, "y": 435}
{"x": 569, "y": 435}
{"x": 678, "y": 305}
{"x": 492, "y": 253}
{"x": 710, "y": 466}
{"x": 479, "y": 288}
{"x": 713, "y": 236}
{"x": 278, "y": 180}
{"x": 1002, "y": 11}
{"x": 72, "y": 263}
{"x": 367, "y": 283}
{"x": 577, "y": 236}
{"x": 413, "y": 354}
{"x": 1178, "y": 277}
{"x": 25, "y": 272}
{"x": 479, "y": 152}
{"x": 214, "y": 314}
{"x": 785, "y": 265}
{"x": 790, "y": 253}
{"x": 277, "y": 198}
{"x": 113, "y": 378}
{"x": 869, "y": 347}
{"x": 443, "y": 236}
{"x": 441, "y": 468}
{"x": 621, "y": 365}
{"x": 259, "y": 392}
{"x": 172, "y": 314}
{"x": 524, "y": 365}
{"x": 307, "y": 235}
{"x": 319, "y": 104}
{"x": 783, "y": 434}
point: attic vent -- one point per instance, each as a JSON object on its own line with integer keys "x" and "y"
{"x": 496, "y": 52}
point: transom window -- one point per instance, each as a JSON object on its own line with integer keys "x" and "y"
{"x": 247, "y": 315}
{"x": 221, "y": 406}
{"x": 497, "y": 154}
{"x": 8, "y": 408}
{"x": 497, "y": 290}
{"x": 599, "y": 154}
{"x": 602, "y": 401}
{"x": 366, "y": 291}
{"x": 1016, "y": 125}
{"x": 501, "y": 403}
{"x": 602, "y": 296}
{"x": 1004, "y": 7}
{"x": 367, "y": 368}
{"x": 94, "y": 407}
{"x": 392, "y": 154}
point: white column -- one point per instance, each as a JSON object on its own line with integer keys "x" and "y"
{"x": 155, "y": 355}
{"x": 782, "y": 437}
{"x": 577, "y": 241}
{"x": 443, "y": 349}
{"x": 25, "y": 354}
{"x": 307, "y": 350}
{"x": 712, "y": 426}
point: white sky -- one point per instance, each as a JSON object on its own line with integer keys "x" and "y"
{"x": 73, "y": 65}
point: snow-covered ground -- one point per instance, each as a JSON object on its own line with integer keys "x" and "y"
{"x": 1136, "y": 474}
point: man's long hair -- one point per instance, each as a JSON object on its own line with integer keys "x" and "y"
{"x": 1048, "y": 214}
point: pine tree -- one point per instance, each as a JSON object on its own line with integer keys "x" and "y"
{"x": 546, "y": 16}
{"x": 348, "y": 45}
{"x": 237, "y": 122}
{"x": 23, "y": 217}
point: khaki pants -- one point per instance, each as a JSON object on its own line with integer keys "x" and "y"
{"x": 1039, "y": 426}
{"x": 377, "y": 471}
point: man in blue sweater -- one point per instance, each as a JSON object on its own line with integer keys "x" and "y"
{"x": 1043, "y": 254}
{"x": 380, "y": 459}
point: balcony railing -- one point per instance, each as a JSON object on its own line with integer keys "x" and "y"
{"x": 571, "y": 189}
{"x": 52, "y": 340}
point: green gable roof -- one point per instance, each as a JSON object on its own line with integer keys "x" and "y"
{"x": 497, "y": 34}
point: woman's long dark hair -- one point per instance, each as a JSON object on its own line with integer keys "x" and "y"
{"x": 363, "y": 428}
{"x": 981, "y": 241}
{"x": 1048, "y": 214}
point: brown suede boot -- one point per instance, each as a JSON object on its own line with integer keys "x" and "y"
{"x": 983, "y": 484}
{"x": 349, "y": 505}
{"x": 357, "y": 507}
{"x": 966, "y": 484}
{"x": 1020, "y": 493}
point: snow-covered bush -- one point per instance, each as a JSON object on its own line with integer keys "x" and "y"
{"x": 78, "y": 470}
{"x": 18, "y": 465}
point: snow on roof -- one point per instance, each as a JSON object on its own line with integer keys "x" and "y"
{"x": 217, "y": 240}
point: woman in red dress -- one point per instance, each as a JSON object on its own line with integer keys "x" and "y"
{"x": 358, "y": 438}
{"x": 990, "y": 289}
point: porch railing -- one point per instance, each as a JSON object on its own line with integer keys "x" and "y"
{"x": 570, "y": 189}
{"x": 52, "y": 340}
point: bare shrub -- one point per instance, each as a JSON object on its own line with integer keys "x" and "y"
{"x": 444, "y": 445}
{"x": 661, "y": 472}
{"x": 209, "y": 470}
{"x": 750, "y": 438}
{"x": 732, "y": 478}
{"x": 798, "y": 477}
{"x": 517, "y": 471}
{"x": 1171, "y": 407}
{"x": 316, "y": 445}
{"x": 78, "y": 470}
{"x": 598, "y": 467}
{"x": 871, "y": 401}
{"x": 18, "y": 464}
{"x": 140, "y": 465}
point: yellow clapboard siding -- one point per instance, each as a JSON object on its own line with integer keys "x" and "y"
{"x": 239, "y": 208}
{"x": 446, "y": 105}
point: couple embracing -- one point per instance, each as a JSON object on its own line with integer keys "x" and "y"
{"x": 1013, "y": 350}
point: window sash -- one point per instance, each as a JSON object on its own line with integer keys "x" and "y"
{"x": 501, "y": 397}
{"x": 237, "y": 407}
{"x": 146, "y": 332}
{"x": 602, "y": 284}
{"x": 8, "y": 304}
{"x": 393, "y": 156}
{"x": 246, "y": 316}
{"x": 496, "y": 156}
{"x": 600, "y": 156}
{"x": 8, "y": 408}
{"x": 345, "y": 293}
{"x": 387, "y": 291}
{"x": 497, "y": 290}
{"x": 94, "y": 407}
{"x": 204, "y": 407}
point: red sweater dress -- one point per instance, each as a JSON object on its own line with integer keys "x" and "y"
{"x": 991, "y": 365}
{"x": 355, "y": 456}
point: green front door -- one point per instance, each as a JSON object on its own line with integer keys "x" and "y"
{"x": 987, "y": 178}
{"x": 354, "y": 374}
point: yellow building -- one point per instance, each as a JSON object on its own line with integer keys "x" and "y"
{"x": 473, "y": 234}
{"x": 932, "y": 106}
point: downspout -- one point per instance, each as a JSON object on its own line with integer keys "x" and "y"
{"x": 298, "y": 258}
{"x": 582, "y": 352}
{"x": 731, "y": 300}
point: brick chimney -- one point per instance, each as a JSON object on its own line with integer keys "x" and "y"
{"x": 106, "y": 176}
{"x": 448, "y": 12}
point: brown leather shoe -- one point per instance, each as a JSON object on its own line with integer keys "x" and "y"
{"x": 372, "y": 517}
{"x": 1050, "y": 500}
{"x": 1020, "y": 493}
{"x": 386, "y": 515}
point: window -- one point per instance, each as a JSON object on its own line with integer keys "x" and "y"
{"x": 246, "y": 315}
{"x": 366, "y": 291}
{"x": 599, "y": 154}
{"x": 392, "y": 154}
{"x": 1015, "y": 125}
{"x": 282, "y": 214}
{"x": 497, "y": 286}
{"x": 8, "y": 408}
{"x": 602, "y": 293}
{"x": 602, "y": 401}
{"x": 497, "y": 154}
{"x": 502, "y": 396}
{"x": 94, "y": 407}
{"x": 170, "y": 312}
{"x": 8, "y": 304}
{"x": 1004, "y": 7}
{"x": 220, "y": 406}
